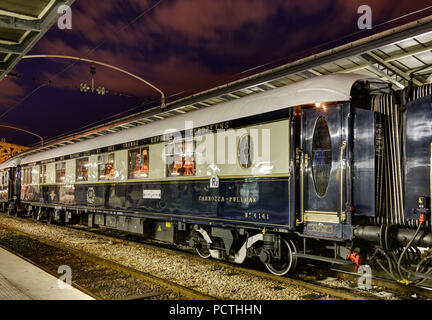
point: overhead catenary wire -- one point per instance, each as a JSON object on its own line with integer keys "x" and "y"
{"x": 88, "y": 52}
{"x": 211, "y": 83}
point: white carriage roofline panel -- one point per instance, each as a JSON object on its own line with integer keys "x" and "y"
{"x": 325, "y": 89}
{"x": 10, "y": 163}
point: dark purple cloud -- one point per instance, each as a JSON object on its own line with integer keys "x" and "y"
{"x": 182, "y": 46}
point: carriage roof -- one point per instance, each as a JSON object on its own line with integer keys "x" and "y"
{"x": 325, "y": 89}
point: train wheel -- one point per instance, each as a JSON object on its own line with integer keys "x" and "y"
{"x": 288, "y": 261}
{"x": 200, "y": 244}
{"x": 35, "y": 213}
{"x": 12, "y": 211}
{"x": 203, "y": 252}
{"x": 50, "y": 217}
{"x": 30, "y": 211}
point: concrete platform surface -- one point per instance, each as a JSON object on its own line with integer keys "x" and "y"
{"x": 20, "y": 280}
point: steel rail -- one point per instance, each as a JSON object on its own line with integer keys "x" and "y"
{"x": 176, "y": 288}
{"x": 337, "y": 293}
{"x": 379, "y": 282}
{"x": 334, "y": 292}
{"x": 74, "y": 284}
{"x": 340, "y": 274}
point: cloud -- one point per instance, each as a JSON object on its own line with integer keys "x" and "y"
{"x": 189, "y": 45}
{"x": 10, "y": 92}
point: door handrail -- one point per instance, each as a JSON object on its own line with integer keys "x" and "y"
{"x": 303, "y": 164}
{"x": 342, "y": 213}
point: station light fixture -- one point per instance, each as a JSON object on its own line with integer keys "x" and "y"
{"x": 84, "y": 87}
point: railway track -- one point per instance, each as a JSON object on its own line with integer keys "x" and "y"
{"x": 377, "y": 281}
{"x": 340, "y": 293}
{"x": 180, "y": 292}
{"x": 337, "y": 293}
{"x": 311, "y": 284}
{"x": 311, "y": 270}
{"x": 315, "y": 290}
{"x": 51, "y": 272}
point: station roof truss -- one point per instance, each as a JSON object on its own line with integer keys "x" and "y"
{"x": 22, "y": 24}
{"x": 395, "y": 56}
{"x": 8, "y": 150}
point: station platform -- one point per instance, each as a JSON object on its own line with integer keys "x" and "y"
{"x": 20, "y": 280}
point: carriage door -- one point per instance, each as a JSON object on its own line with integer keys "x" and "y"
{"x": 322, "y": 195}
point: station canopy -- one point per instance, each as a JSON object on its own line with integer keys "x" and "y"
{"x": 395, "y": 56}
{"x": 22, "y": 24}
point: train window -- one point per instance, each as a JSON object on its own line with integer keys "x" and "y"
{"x": 60, "y": 172}
{"x": 26, "y": 176}
{"x": 139, "y": 163}
{"x": 29, "y": 175}
{"x": 82, "y": 169}
{"x": 180, "y": 158}
{"x": 42, "y": 174}
{"x": 245, "y": 151}
{"x": 106, "y": 167}
{"x": 321, "y": 156}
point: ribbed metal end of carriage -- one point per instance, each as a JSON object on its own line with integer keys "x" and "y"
{"x": 389, "y": 170}
{"x": 418, "y": 151}
{"x": 403, "y": 158}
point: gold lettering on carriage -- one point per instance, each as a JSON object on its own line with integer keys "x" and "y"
{"x": 130, "y": 144}
{"x": 320, "y": 228}
{"x": 211, "y": 128}
{"x": 192, "y": 132}
{"x": 156, "y": 139}
{"x": 257, "y": 216}
{"x": 227, "y": 199}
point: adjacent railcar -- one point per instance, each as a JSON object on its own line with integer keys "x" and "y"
{"x": 314, "y": 170}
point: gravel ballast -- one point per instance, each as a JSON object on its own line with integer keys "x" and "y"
{"x": 214, "y": 280}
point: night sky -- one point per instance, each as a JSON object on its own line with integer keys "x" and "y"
{"x": 181, "y": 46}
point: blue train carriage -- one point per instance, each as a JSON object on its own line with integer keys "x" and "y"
{"x": 10, "y": 186}
{"x": 285, "y": 174}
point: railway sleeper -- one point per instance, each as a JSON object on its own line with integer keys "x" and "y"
{"x": 278, "y": 252}
{"x": 222, "y": 243}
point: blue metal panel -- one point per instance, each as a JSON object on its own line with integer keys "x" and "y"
{"x": 417, "y": 149}
{"x": 330, "y": 201}
{"x": 364, "y": 185}
{"x": 341, "y": 120}
{"x": 262, "y": 202}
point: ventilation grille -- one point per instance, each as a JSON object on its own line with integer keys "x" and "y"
{"x": 390, "y": 169}
{"x": 422, "y": 91}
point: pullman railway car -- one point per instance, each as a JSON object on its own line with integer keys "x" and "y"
{"x": 335, "y": 169}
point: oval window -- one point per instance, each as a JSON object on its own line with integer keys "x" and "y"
{"x": 245, "y": 151}
{"x": 321, "y": 156}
